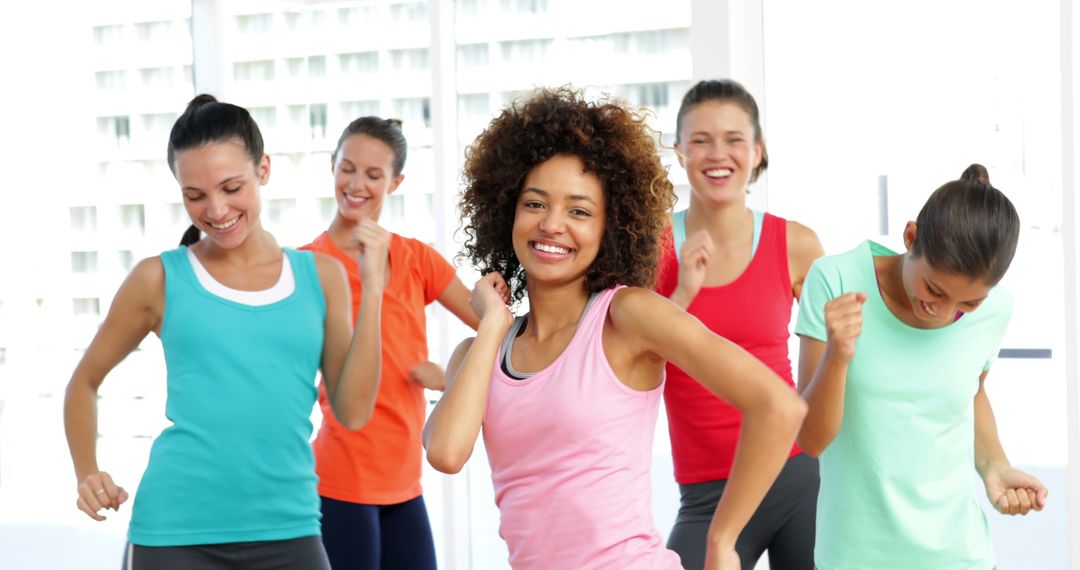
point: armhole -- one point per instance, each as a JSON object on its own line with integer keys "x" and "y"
{"x": 678, "y": 233}
{"x": 759, "y": 222}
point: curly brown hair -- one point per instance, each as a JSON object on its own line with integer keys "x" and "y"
{"x": 614, "y": 143}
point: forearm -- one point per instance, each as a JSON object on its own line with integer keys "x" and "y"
{"x": 353, "y": 397}
{"x": 80, "y": 426}
{"x": 454, "y": 424}
{"x": 989, "y": 454}
{"x": 825, "y": 398}
{"x": 764, "y": 444}
{"x": 681, "y": 298}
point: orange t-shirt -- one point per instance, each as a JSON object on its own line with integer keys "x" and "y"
{"x": 380, "y": 464}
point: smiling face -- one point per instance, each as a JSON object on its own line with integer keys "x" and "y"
{"x": 559, "y": 221}
{"x": 719, "y": 150}
{"x": 220, "y": 185}
{"x": 937, "y": 295}
{"x": 363, "y": 176}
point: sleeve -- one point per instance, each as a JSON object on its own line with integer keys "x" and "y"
{"x": 816, "y": 292}
{"x": 436, "y": 271}
{"x": 667, "y": 275}
{"x": 1001, "y": 322}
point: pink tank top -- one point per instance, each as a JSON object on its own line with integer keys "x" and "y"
{"x": 570, "y": 449}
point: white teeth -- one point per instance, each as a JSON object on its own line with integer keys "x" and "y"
{"x": 718, "y": 172}
{"x": 355, "y": 200}
{"x": 551, "y": 248}
{"x": 226, "y": 225}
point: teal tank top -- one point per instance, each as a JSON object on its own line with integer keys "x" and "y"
{"x": 236, "y": 464}
{"x": 678, "y": 231}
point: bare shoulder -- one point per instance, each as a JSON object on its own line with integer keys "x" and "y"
{"x": 634, "y": 308}
{"x": 146, "y": 282}
{"x": 328, "y": 268}
{"x": 801, "y": 237}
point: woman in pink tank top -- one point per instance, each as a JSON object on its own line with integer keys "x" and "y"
{"x": 737, "y": 271}
{"x": 568, "y": 200}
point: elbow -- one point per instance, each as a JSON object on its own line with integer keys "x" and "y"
{"x": 446, "y": 461}
{"x": 353, "y": 420}
{"x": 809, "y": 446}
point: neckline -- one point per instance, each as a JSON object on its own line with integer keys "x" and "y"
{"x": 194, "y": 265}
{"x": 532, "y": 376}
{"x": 876, "y": 300}
{"x": 753, "y": 256}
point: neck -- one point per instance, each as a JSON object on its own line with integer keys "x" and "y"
{"x": 340, "y": 232}
{"x": 555, "y": 307}
{"x": 726, "y": 222}
{"x": 257, "y": 248}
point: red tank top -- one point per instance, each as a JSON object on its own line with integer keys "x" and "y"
{"x": 753, "y": 311}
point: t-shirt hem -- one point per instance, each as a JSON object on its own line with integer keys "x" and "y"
{"x": 143, "y": 538}
{"x": 370, "y": 498}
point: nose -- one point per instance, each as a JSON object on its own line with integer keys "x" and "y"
{"x": 217, "y": 208}
{"x": 553, "y": 222}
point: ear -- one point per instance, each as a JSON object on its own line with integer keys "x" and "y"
{"x": 395, "y": 183}
{"x": 679, "y": 154}
{"x": 333, "y": 161}
{"x": 759, "y": 151}
{"x": 264, "y": 170}
{"x": 910, "y": 230}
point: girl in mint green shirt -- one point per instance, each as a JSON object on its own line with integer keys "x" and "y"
{"x": 894, "y": 352}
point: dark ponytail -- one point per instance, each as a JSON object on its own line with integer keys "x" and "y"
{"x": 968, "y": 227}
{"x": 204, "y": 121}
{"x": 386, "y": 130}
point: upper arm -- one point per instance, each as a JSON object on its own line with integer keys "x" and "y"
{"x": 659, "y": 326}
{"x": 456, "y": 300}
{"x": 456, "y": 359}
{"x": 136, "y": 311}
{"x": 803, "y": 248}
{"x": 338, "y": 325}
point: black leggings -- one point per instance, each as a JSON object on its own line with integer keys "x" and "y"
{"x": 305, "y": 553}
{"x": 783, "y": 524}
{"x": 373, "y": 537}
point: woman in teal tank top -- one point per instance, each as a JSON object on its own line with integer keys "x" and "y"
{"x": 245, "y": 326}
{"x": 895, "y": 351}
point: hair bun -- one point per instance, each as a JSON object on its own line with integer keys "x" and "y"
{"x": 976, "y": 173}
{"x": 395, "y": 122}
{"x": 199, "y": 101}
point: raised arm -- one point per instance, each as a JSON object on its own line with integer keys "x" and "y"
{"x": 1011, "y": 491}
{"x": 456, "y": 298}
{"x": 823, "y": 371}
{"x": 453, "y": 426}
{"x": 352, "y": 360}
{"x": 771, "y": 410}
{"x": 135, "y": 312}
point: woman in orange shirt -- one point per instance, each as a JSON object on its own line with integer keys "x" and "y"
{"x": 369, "y": 480}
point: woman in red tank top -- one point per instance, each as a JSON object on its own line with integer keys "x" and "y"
{"x": 738, "y": 272}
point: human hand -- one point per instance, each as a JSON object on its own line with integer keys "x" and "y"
{"x": 428, "y": 375}
{"x": 97, "y": 491}
{"x": 374, "y": 244}
{"x": 1014, "y": 492}
{"x": 843, "y": 324}
{"x": 693, "y": 261}
{"x": 490, "y": 297}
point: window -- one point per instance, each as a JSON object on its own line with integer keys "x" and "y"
{"x": 153, "y": 31}
{"x": 355, "y": 63}
{"x": 115, "y": 80}
{"x": 409, "y": 59}
{"x": 109, "y": 35}
{"x": 472, "y": 55}
{"x": 327, "y": 209}
{"x": 156, "y": 127}
{"x": 317, "y": 66}
{"x": 525, "y": 51}
{"x": 277, "y": 209}
{"x": 524, "y": 6}
{"x": 116, "y": 130}
{"x": 84, "y": 262}
{"x": 86, "y": 307}
{"x": 351, "y": 110}
{"x": 158, "y": 77}
{"x": 653, "y": 96}
{"x": 84, "y": 219}
{"x": 317, "y": 121}
{"x": 473, "y": 105}
{"x": 133, "y": 218}
{"x": 655, "y": 42}
{"x": 265, "y": 117}
{"x": 413, "y": 111}
{"x": 254, "y": 24}
{"x": 254, "y": 71}
{"x": 356, "y": 15}
{"x": 126, "y": 259}
{"x": 410, "y": 12}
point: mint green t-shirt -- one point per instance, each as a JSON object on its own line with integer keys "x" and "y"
{"x": 898, "y": 482}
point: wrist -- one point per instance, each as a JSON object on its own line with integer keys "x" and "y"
{"x": 682, "y": 297}
{"x": 495, "y": 322}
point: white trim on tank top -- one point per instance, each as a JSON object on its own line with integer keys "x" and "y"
{"x": 284, "y": 287}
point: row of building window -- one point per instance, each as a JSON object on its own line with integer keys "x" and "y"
{"x": 148, "y": 78}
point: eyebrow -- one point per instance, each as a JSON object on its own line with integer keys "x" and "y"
{"x": 580, "y": 197}
{"x": 222, "y": 183}
{"x": 941, "y": 289}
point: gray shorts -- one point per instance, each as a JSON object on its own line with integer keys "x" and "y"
{"x": 305, "y": 553}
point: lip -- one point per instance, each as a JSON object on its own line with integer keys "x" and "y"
{"x": 548, "y": 255}
{"x": 719, "y": 181}
{"x": 227, "y": 231}
{"x": 354, "y": 202}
